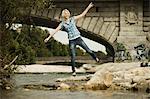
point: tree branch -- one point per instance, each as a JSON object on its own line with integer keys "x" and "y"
{"x": 6, "y": 66}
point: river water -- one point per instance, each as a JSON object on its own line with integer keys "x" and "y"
{"x": 24, "y": 79}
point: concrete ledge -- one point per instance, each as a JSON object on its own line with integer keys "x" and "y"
{"x": 37, "y": 68}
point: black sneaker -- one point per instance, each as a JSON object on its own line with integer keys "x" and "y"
{"x": 144, "y": 64}
{"x": 97, "y": 60}
{"x": 74, "y": 74}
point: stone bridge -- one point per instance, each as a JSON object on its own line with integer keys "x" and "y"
{"x": 108, "y": 23}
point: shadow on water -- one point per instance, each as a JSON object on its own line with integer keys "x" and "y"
{"x": 65, "y": 63}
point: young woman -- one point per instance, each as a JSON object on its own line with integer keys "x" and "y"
{"x": 68, "y": 24}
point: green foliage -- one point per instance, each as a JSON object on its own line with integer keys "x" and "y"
{"x": 14, "y": 44}
{"x": 29, "y": 44}
{"x": 120, "y": 46}
{"x": 19, "y": 8}
{"x": 79, "y": 52}
{"x": 101, "y": 54}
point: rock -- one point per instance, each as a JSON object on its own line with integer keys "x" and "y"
{"x": 90, "y": 68}
{"x": 95, "y": 80}
{"x": 138, "y": 79}
{"x": 108, "y": 77}
{"x": 42, "y": 86}
{"x": 121, "y": 76}
{"x": 128, "y": 77}
{"x": 27, "y": 89}
{"x": 95, "y": 86}
{"x": 127, "y": 85}
{"x": 76, "y": 78}
{"x": 64, "y": 86}
{"x": 142, "y": 86}
{"x": 139, "y": 72}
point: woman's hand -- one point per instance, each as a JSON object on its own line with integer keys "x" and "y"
{"x": 84, "y": 12}
{"x": 46, "y": 40}
{"x": 52, "y": 34}
{"x": 91, "y": 5}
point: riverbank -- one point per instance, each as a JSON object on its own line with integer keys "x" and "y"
{"x": 36, "y": 92}
{"x": 108, "y": 76}
{"x": 119, "y": 76}
{"x": 110, "y": 81}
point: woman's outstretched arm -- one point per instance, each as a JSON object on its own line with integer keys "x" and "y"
{"x": 84, "y": 12}
{"x": 51, "y": 34}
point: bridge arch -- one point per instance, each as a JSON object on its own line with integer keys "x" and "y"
{"x": 99, "y": 39}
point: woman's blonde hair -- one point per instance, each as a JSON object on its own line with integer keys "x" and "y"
{"x": 63, "y": 12}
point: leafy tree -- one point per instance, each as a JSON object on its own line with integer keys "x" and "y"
{"x": 10, "y": 11}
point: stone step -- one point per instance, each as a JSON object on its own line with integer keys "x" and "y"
{"x": 130, "y": 33}
{"x": 131, "y": 39}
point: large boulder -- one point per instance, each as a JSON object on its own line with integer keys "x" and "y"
{"x": 128, "y": 76}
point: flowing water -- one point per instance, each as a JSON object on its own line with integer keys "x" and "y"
{"x": 24, "y": 79}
